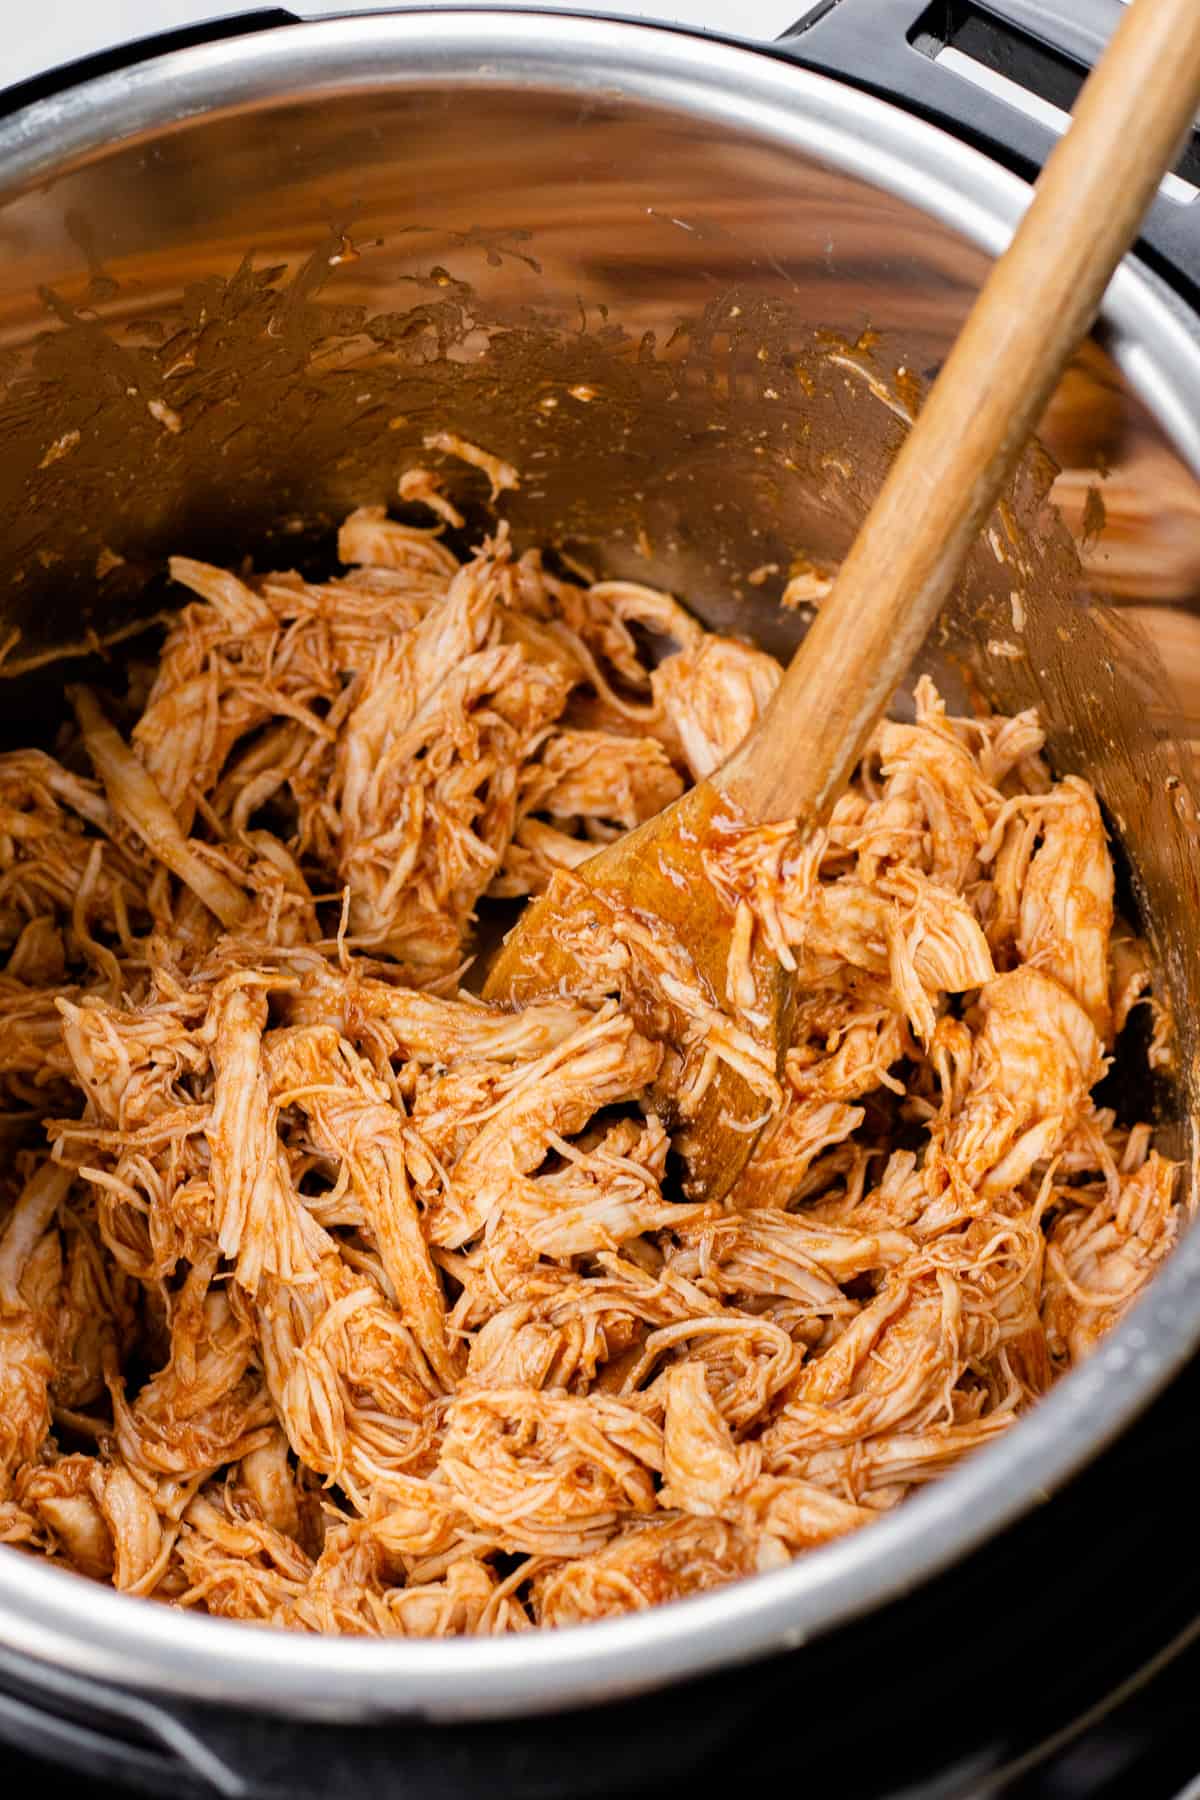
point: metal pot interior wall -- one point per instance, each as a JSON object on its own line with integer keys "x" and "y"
{"x": 699, "y": 349}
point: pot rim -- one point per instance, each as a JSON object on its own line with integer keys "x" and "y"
{"x": 50, "y": 1614}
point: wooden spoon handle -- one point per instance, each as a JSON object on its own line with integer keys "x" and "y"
{"x": 1029, "y": 318}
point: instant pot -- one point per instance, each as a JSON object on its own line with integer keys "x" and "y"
{"x": 693, "y": 287}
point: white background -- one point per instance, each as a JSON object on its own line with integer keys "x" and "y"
{"x": 54, "y": 31}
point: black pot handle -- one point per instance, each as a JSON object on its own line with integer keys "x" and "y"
{"x": 118, "y": 1736}
{"x": 895, "y": 49}
{"x": 124, "y": 56}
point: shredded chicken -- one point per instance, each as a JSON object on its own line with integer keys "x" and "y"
{"x": 332, "y": 1297}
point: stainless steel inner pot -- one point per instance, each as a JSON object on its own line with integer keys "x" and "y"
{"x": 692, "y": 292}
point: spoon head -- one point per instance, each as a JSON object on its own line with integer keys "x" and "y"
{"x": 643, "y": 919}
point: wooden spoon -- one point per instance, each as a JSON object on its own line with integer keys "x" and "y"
{"x": 1029, "y": 319}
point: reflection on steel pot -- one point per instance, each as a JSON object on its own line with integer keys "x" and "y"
{"x": 693, "y": 292}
